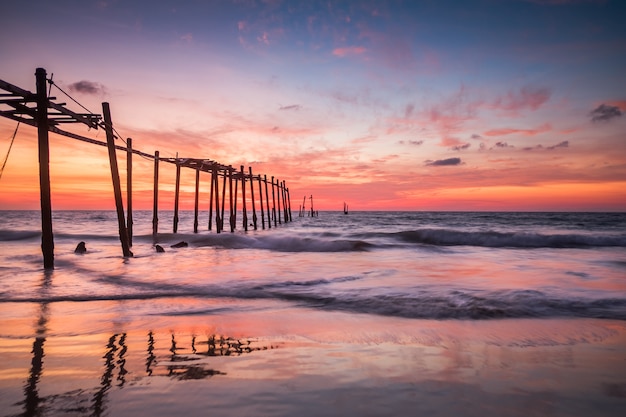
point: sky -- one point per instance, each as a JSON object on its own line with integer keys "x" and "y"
{"x": 385, "y": 105}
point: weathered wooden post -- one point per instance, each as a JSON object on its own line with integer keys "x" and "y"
{"x": 286, "y": 212}
{"x": 261, "y": 201}
{"x": 218, "y": 224}
{"x": 274, "y": 204}
{"x": 213, "y": 174}
{"x": 252, "y": 196}
{"x": 129, "y": 190}
{"x": 267, "y": 200}
{"x": 115, "y": 176}
{"x": 155, "y": 197}
{"x": 230, "y": 189}
{"x": 243, "y": 200}
{"x": 223, "y": 200}
{"x": 176, "y": 195}
{"x": 289, "y": 204}
{"x": 234, "y": 212}
{"x": 47, "y": 238}
{"x": 195, "y": 212}
{"x": 278, "y": 196}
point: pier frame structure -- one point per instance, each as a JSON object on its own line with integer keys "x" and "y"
{"x": 40, "y": 111}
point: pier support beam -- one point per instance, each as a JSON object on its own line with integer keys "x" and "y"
{"x": 129, "y": 190}
{"x": 115, "y": 176}
{"x": 47, "y": 239}
{"x": 176, "y": 196}
{"x": 195, "y": 213}
{"x": 155, "y": 198}
{"x": 267, "y": 200}
{"x": 213, "y": 174}
{"x": 252, "y": 197}
{"x": 261, "y": 202}
{"x": 243, "y": 199}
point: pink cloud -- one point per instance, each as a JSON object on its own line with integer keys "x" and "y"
{"x": 526, "y": 98}
{"x": 348, "y": 51}
{"x": 526, "y": 132}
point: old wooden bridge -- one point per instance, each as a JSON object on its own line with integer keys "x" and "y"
{"x": 38, "y": 110}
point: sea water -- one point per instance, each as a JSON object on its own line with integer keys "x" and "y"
{"x": 366, "y": 313}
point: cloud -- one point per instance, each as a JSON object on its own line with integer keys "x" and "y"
{"x": 444, "y": 162}
{"x": 87, "y": 87}
{"x": 290, "y": 107}
{"x": 461, "y": 147}
{"x": 503, "y": 145}
{"x": 526, "y": 132}
{"x": 604, "y": 113}
{"x": 349, "y": 50}
{"x": 563, "y": 144}
{"x": 188, "y": 37}
{"x": 411, "y": 142}
{"x": 528, "y": 97}
{"x": 475, "y": 136}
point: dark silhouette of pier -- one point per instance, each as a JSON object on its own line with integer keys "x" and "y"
{"x": 40, "y": 111}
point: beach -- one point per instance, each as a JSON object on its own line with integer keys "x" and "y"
{"x": 376, "y": 314}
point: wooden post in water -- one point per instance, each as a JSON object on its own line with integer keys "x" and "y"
{"x": 274, "y": 204}
{"x": 115, "y": 176}
{"x": 261, "y": 202}
{"x": 223, "y": 200}
{"x": 218, "y": 224}
{"x": 267, "y": 200}
{"x": 252, "y": 197}
{"x": 176, "y": 195}
{"x": 230, "y": 188}
{"x": 47, "y": 238}
{"x": 285, "y": 203}
{"x": 234, "y": 212}
{"x": 243, "y": 199}
{"x": 129, "y": 190}
{"x": 155, "y": 198}
{"x": 195, "y": 212}
{"x": 213, "y": 174}
{"x": 278, "y": 194}
{"x": 289, "y": 203}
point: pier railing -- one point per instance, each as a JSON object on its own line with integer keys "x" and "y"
{"x": 40, "y": 111}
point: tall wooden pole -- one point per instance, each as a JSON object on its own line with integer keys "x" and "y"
{"x": 261, "y": 202}
{"x": 267, "y": 200}
{"x": 230, "y": 188}
{"x": 252, "y": 197}
{"x": 289, "y": 203}
{"x": 176, "y": 196}
{"x": 278, "y": 193}
{"x": 234, "y": 211}
{"x": 274, "y": 204}
{"x": 115, "y": 176}
{"x": 213, "y": 174}
{"x": 243, "y": 199}
{"x": 195, "y": 212}
{"x": 47, "y": 238}
{"x": 285, "y": 202}
{"x": 155, "y": 198}
{"x": 218, "y": 224}
{"x": 129, "y": 189}
{"x": 223, "y": 201}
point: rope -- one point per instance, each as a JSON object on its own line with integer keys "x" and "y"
{"x": 70, "y": 97}
{"x": 9, "y": 151}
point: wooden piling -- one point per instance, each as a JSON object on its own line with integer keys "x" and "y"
{"x": 195, "y": 212}
{"x": 267, "y": 200}
{"x": 243, "y": 200}
{"x": 278, "y": 193}
{"x": 47, "y": 238}
{"x": 155, "y": 198}
{"x": 261, "y": 202}
{"x": 274, "y": 204}
{"x": 286, "y": 212}
{"x": 129, "y": 190}
{"x": 223, "y": 201}
{"x": 289, "y": 204}
{"x": 234, "y": 212}
{"x": 115, "y": 176}
{"x": 176, "y": 196}
{"x": 252, "y": 197}
{"x": 213, "y": 174}
{"x": 230, "y": 189}
{"x": 218, "y": 224}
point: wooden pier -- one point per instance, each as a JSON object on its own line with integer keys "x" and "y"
{"x": 40, "y": 111}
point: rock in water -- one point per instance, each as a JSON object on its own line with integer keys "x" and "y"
{"x": 80, "y": 248}
{"x": 159, "y": 248}
{"x": 182, "y": 244}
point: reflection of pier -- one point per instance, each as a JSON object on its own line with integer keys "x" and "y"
{"x": 176, "y": 357}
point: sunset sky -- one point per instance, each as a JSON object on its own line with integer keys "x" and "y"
{"x": 395, "y": 105}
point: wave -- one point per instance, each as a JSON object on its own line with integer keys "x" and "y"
{"x": 416, "y": 303}
{"x": 492, "y": 239}
{"x": 13, "y": 235}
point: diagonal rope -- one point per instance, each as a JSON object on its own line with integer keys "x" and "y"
{"x": 6, "y": 158}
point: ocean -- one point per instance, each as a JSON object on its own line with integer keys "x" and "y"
{"x": 368, "y": 314}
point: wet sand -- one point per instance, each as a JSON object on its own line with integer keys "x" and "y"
{"x": 68, "y": 359}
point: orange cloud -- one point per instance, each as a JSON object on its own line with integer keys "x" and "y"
{"x": 526, "y": 132}
{"x": 349, "y": 50}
